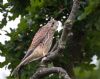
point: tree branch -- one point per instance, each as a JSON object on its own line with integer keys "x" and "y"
{"x": 68, "y": 24}
{"x": 42, "y": 72}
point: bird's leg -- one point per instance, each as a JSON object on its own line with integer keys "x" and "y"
{"x": 42, "y": 63}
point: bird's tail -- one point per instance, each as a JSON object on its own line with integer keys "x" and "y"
{"x": 16, "y": 70}
{"x": 28, "y": 59}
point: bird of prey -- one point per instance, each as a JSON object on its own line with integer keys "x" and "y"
{"x": 40, "y": 45}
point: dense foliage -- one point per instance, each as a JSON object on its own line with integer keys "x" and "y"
{"x": 80, "y": 48}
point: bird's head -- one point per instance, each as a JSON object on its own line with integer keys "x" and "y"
{"x": 53, "y": 23}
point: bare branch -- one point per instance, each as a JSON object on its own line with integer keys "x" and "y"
{"x": 42, "y": 72}
{"x": 74, "y": 11}
{"x": 69, "y": 23}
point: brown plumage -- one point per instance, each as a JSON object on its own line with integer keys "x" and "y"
{"x": 40, "y": 45}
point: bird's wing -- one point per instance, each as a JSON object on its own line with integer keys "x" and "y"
{"x": 39, "y": 36}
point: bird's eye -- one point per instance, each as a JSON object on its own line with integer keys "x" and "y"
{"x": 52, "y": 24}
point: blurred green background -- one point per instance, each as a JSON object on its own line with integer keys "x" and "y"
{"x": 80, "y": 48}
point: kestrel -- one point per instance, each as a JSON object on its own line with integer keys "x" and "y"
{"x": 40, "y": 45}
